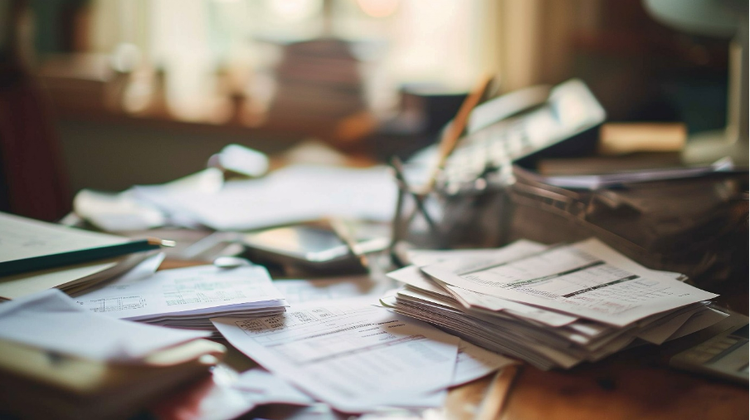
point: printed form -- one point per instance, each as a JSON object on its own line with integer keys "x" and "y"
{"x": 185, "y": 291}
{"x": 467, "y": 260}
{"x": 587, "y": 279}
{"x": 350, "y": 354}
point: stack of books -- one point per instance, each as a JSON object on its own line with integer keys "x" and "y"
{"x": 552, "y": 306}
{"x": 318, "y": 80}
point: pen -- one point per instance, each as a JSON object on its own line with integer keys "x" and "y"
{"x": 450, "y": 138}
{"x": 81, "y": 256}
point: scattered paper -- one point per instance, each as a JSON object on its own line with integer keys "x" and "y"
{"x": 293, "y": 194}
{"x": 262, "y": 387}
{"x": 352, "y": 355}
{"x": 142, "y": 271}
{"x": 50, "y": 320}
{"x": 116, "y": 212}
{"x": 301, "y": 291}
{"x": 474, "y": 362}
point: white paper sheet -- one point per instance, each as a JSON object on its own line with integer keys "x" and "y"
{"x": 51, "y": 320}
{"x": 423, "y": 257}
{"x": 116, "y": 212}
{"x": 699, "y": 321}
{"x": 293, "y": 194}
{"x": 24, "y": 238}
{"x": 587, "y": 279}
{"x": 185, "y": 291}
{"x": 301, "y": 291}
{"x": 144, "y": 270}
{"x": 352, "y": 355}
{"x": 474, "y": 362}
{"x": 262, "y": 387}
{"x": 141, "y": 271}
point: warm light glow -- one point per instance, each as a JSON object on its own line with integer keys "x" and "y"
{"x": 378, "y": 8}
{"x": 295, "y": 10}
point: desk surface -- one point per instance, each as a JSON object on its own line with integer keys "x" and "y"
{"x": 635, "y": 384}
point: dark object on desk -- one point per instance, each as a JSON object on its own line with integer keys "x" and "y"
{"x": 80, "y": 256}
{"x": 310, "y": 247}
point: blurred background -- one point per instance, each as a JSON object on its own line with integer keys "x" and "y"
{"x": 105, "y": 94}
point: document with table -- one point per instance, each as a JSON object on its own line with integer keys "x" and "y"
{"x": 588, "y": 280}
{"x": 188, "y": 297}
{"x": 350, "y": 354}
{"x": 551, "y": 306}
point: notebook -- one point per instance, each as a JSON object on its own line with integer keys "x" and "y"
{"x": 24, "y": 238}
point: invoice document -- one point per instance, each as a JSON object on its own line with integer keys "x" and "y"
{"x": 350, "y": 354}
{"x": 587, "y": 279}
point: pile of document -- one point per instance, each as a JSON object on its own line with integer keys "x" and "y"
{"x": 552, "y": 306}
{"x": 188, "y": 297}
{"x": 58, "y": 360}
{"x": 359, "y": 357}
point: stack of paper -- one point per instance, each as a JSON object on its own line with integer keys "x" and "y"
{"x": 358, "y": 357}
{"x": 188, "y": 297}
{"x": 352, "y": 355}
{"x": 60, "y": 361}
{"x": 551, "y": 306}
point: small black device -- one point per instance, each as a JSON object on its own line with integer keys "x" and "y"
{"x": 315, "y": 247}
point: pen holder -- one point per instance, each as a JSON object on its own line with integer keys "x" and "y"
{"x": 476, "y": 218}
{"x": 694, "y": 226}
